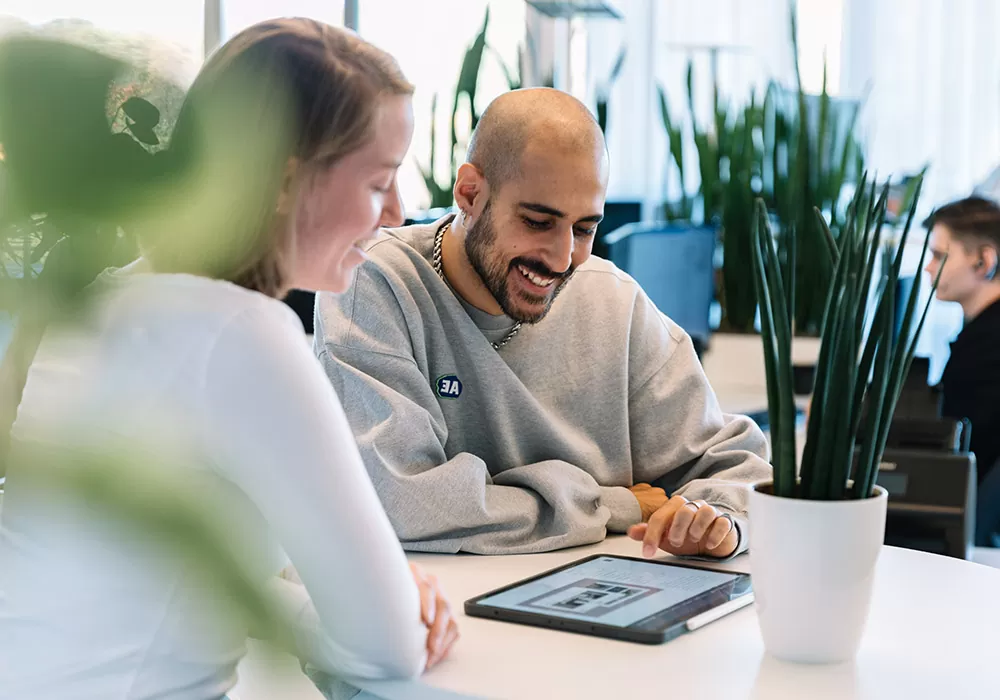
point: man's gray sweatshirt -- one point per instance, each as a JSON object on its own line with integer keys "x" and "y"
{"x": 532, "y": 447}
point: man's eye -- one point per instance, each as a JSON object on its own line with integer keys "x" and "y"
{"x": 532, "y": 223}
{"x": 586, "y": 232}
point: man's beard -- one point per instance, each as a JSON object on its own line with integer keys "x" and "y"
{"x": 480, "y": 243}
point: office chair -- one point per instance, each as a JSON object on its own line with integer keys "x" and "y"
{"x": 673, "y": 265}
{"x": 932, "y": 500}
{"x": 616, "y": 215}
{"x": 988, "y": 509}
{"x": 931, "y": 480}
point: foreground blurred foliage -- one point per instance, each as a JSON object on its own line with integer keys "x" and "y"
{"x": 67, "y": 182}
{"x": 85, "y": 182}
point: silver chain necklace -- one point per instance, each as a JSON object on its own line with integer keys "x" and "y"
{"x": 439, "y": 268}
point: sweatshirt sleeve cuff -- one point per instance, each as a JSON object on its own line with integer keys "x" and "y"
{"x": 743, "y": 528}
{"x": 742, "y": 544}
{"x": 624, "y": 507}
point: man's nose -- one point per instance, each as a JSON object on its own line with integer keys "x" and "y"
{"x": 559, "y": 255}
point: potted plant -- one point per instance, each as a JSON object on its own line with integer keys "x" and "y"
{"x": 817, "y": 531}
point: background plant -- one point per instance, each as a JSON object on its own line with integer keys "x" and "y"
{"x": 862, "y": 363}
{"x": 442, "y": 193}
{"x": 795, "y": 151}
{"x": 604, "y": 91}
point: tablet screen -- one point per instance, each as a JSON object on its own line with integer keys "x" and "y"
{"x": 618, "y": 592}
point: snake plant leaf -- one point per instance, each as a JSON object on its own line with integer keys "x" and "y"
{"x": 617, "y": 69}
{"x": 513, "y": 79}
{"x": 871, "y": 245}
{"x": 890, "y": 407}
{"x": 434, "y": 107}
{"x": 781, "y": 486}
{"x": 689, "y": 82}
{"x": 899, "y": 360}
{"x": 822, "y": 135}
{"x": 910, "y": 193}
{"x": 664, "y": 110}
{"x": 898, "y": 261}
{"x": 849, "y": 145}
{"x": 602, "y": 115}
{"x": 843, "y": 437}
{"x": 866, "y": 466}
{"x": 785, "y": 453}
{"x": 833, "y": 254}
{"x": 675, "y": 139}
{"x": 468, "y": 77}
{"x": 825, "y": 375}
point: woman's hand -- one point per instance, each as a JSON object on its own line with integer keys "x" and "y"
{"x": 435, "y": 612}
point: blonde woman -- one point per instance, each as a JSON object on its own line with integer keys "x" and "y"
{"x": 282, "y": 164}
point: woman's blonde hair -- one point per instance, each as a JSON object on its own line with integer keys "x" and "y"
{"x": 282, "y": 91}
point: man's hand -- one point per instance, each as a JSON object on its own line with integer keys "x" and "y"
{"x": 685, "y": 528}
{"x": 435, "y": 613}
{"x": 650, "y": 499}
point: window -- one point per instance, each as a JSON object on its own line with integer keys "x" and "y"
{"x": 429, "y": 40}
{"x": 169, "y": 32}
{"x": 820, "y": 27}
{"x": 239, "y": 14}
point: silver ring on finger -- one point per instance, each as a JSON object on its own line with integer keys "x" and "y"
{"x": 693, "y": 503}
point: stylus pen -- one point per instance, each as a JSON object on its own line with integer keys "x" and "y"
{"x": 714, "y": 614}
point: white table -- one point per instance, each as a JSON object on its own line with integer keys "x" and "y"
{"x": 932, "y": 633}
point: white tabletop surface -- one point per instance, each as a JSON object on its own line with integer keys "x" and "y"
{"x": 932, "y": 633}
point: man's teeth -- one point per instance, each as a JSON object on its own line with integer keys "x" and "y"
{"x": 535, "y": 279}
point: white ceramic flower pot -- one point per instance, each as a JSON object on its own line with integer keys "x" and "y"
{"x": 813, "y": 564}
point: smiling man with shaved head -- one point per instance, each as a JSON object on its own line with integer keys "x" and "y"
{"x": 509, "y": 392}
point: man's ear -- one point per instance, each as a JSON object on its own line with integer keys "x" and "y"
{"x": 471, "y": 190}
{"x": 990, "y": 261}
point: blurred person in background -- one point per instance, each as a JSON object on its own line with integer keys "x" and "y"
{"x": 968, "y": 233}
{"x": 282, "y": 165}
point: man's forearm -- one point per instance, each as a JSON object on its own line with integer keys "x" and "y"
{"x": 458, "y": 507}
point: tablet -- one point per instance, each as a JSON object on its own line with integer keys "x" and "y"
{"x": 605, "y": 595}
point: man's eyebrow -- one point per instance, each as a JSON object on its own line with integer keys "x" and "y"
{"x": 549, "y": 211}
{"x": 542, "y": 209}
